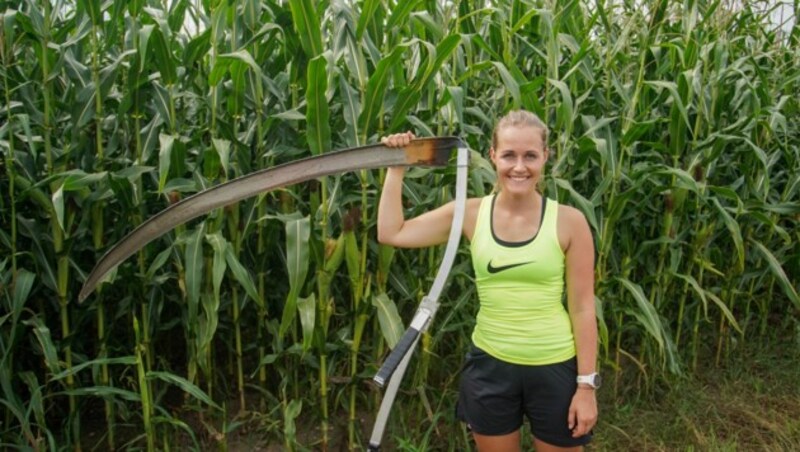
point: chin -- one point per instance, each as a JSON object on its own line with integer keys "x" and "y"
{"x": 519, "y": 189}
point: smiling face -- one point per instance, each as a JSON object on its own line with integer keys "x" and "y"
{"x": 519, "y": 155}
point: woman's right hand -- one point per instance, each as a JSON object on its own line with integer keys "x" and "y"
{"x": 398, "y": 140}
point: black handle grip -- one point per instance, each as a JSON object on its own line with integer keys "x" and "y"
{"x": 391, "y": 363}
{"x": 373, "y": 447}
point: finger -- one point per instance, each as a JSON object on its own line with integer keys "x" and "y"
{"x": 393, "y": 141}
{"x": 571, "y": 418}
{"x": 584, "y": 427}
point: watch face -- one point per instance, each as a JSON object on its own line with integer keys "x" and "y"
{"x": 592, "y": 380}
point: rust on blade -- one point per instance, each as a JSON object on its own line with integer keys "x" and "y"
{"x": 431, "y": 151}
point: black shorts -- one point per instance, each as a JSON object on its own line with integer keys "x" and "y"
{"x": 495, "y": 395}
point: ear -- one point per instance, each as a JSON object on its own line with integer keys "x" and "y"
{"x": 491, "y": 153}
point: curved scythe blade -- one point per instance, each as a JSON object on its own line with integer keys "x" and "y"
{"x": 425, "y": 151}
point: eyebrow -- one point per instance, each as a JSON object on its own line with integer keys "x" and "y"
{"x": 505, "y": 151}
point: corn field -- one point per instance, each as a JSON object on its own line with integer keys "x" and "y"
{"x": 674, "y": 128}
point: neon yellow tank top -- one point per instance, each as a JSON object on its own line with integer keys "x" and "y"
{"x": 520, "y": 285}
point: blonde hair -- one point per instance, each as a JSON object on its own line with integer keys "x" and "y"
{"x": 519, "y": 118}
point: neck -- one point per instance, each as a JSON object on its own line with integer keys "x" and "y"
{"x": 519, "y": 201}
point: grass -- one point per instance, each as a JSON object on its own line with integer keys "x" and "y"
{"x": 750, "y": 403}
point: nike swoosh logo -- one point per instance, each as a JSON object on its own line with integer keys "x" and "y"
{"x": 492, "y": 269}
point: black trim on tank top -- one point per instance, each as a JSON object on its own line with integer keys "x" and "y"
{"x": 515, "y": 244}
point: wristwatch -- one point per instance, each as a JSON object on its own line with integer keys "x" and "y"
{"x": 593, "y": 380}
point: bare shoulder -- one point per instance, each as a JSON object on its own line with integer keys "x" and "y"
{"x": 471, "y": 216}
{"x": 572, "y": 226}
{"x": 570, "y": 217}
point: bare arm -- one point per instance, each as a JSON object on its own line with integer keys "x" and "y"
{"x": 580, "y": 299}
{"x": 430, "y": 228}
{"x": 580, "y": 291}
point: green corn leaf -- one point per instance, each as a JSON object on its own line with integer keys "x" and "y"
{"x": 646, "y": 313}
{"x": 433, "y": 63}
{"x": 34, "y": 403}
{"x": 682, "y": 178}
{"x": 431, "y": 24}
{"x": 565, "y": 113}
{"x": 9, "y": 18}
{"x": 298, "y": 232}
{"x": 197, "y": 48}
{"x": 123, "y": 360}
{"x": 400, "y": 13}
{"x": 84, "y": 107}
{"x": 171, "y": 421}
{"x": 290, "y": 413}
{"x": 308, "y": 26}
{"x": 597, "y": 125}
{"x": 241, "y": 56}
{"x": 524, "y": 20}
{"x": 351, "y": 106}
{"x": 602, "y": 326}
{"x": 778, "y": 272}
{"x": 158, "y": 262}
{"x": 92, "y": 8}
{"x": 582, "y": 203}
{"x": 22, "y": 289}
{"x": 206, "y": 329}
{"x": 165, "y": 61}
{"x": 185, "y": 385}
{"x": 725, "y": 310}
{"x": 219, "y": 265}
{"x": 368, "y": 10}
{"x": 376, "y": 88}
{"x": 145, "y": 32}
{"x": 104, "y": 392}
{"x": 317, "y": 114}
{"x": 672, "y": 88}
{"x": 42, "y": 333}
{"x": 352, "y": 259}
{"x": 735, "y": 233}
{"x": 512, "y": 86}
{"x": 223, "y": 148}
{"x": 221, "y": 67}
{"x": 166, "y": 142}
{"x": 356, "y": 60}
{"x": 193, "y": 261}
{"x": 58, "y": 205}
{"x": 176, "y": 17}
{"x": 307, "y": 308}
{"x": 385, "y": 258}
{"x": 77, "y": 179}
{"x": 265, "y": 361}
{"x": 389, "y": 319}
{"x": 218, "y": 20}
{"x": 238, "y": 86}
{"x": 242, "y": 276}
{"x": 252, "y": 13}
{"x": 705, "y": 295}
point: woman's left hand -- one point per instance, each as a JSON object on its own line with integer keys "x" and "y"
{"x": 582, "y": 412}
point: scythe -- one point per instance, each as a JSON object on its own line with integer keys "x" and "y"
{"x": 420, "y": 152}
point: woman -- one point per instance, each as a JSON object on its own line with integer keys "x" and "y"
{"x": 529, "y": 356}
